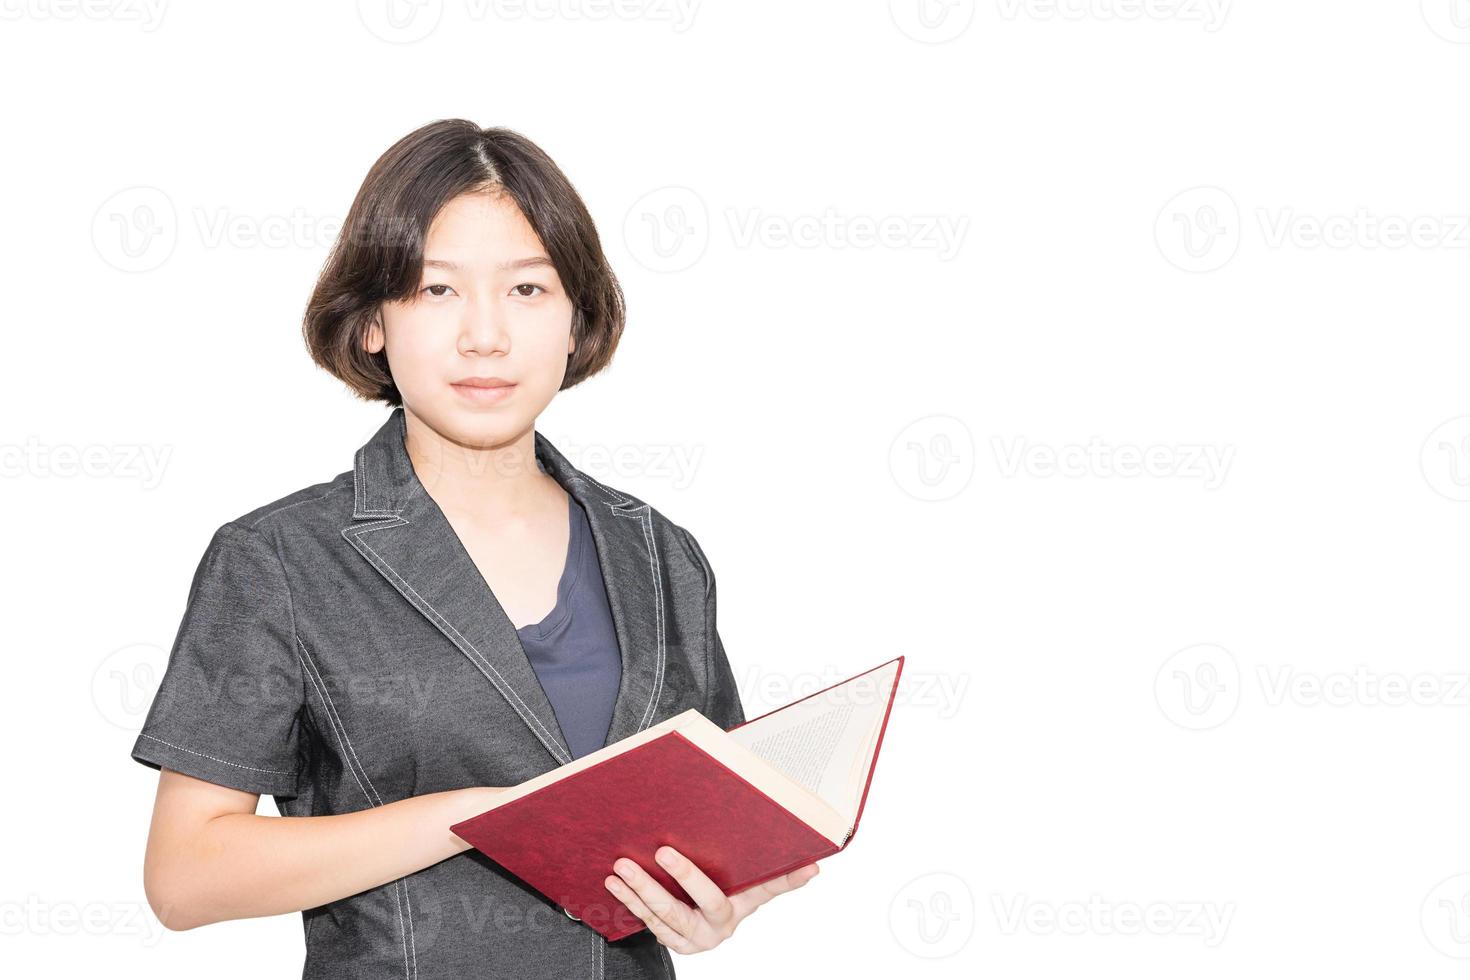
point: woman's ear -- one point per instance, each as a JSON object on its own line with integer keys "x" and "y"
{"x": 372, "y": 337}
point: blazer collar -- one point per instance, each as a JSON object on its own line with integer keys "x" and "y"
{"x": 402, "y": 532}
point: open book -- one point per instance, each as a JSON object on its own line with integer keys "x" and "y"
{"x": 746, "y": 805}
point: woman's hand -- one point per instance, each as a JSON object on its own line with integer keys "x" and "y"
{"x": 676, "y": 925}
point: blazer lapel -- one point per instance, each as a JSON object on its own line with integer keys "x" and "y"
{"x": 632, "y": 572}
{"x": 402, "y": 532}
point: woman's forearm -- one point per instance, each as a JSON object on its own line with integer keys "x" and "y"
{"x": 239, "y": 865}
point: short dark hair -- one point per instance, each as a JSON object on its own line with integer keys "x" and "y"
{"x": 379, "y": 252}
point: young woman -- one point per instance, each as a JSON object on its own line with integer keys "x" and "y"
{"x": 461, "y": 610}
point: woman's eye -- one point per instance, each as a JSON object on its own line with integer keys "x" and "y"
{"x": 528, "y": 285}
{"x": 430, "y": 289}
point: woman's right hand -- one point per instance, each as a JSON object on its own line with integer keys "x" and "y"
{"x": 210, "y": 857}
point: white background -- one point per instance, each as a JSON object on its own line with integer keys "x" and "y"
{"x": 1003, "y": 253}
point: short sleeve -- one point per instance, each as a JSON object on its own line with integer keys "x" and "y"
{"x": 231, "y": 705}
{"x": 722, "y": 700}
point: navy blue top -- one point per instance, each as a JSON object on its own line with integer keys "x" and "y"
{"x": 574, "y": 650}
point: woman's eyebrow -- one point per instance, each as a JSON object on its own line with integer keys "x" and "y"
{"x": 526, "y": 263}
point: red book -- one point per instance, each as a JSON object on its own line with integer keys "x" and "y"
{"x": 746, "y": 805}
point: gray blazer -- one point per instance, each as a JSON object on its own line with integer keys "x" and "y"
{"x": 340, "y": 650}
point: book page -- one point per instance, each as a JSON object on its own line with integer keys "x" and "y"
{"x": 826, "y": 742}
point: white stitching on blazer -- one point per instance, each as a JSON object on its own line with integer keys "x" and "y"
{"x": 486, "y": 667}
{"x": 410, "y": 948}
{"x": 238, "y": 765}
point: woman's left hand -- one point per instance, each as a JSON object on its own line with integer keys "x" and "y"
{"x": 676, "y": 925}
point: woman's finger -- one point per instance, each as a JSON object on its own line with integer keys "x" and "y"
{"x": 757, "y": 895}
{"x": 710, "y": 897}
{"x": 668, "y": 908}
{"x": 661, "y": 930}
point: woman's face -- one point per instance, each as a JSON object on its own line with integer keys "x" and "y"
{"x": 489, "y": 305}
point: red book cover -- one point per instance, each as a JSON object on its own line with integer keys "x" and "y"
{"x": 562, "y": 839}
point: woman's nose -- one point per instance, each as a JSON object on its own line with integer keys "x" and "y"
{"x": 483, "y": 329}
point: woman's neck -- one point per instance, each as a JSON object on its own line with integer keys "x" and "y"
{"x": 490, "y": 483}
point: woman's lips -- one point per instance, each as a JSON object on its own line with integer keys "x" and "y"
{"x": 481, "y": 395}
